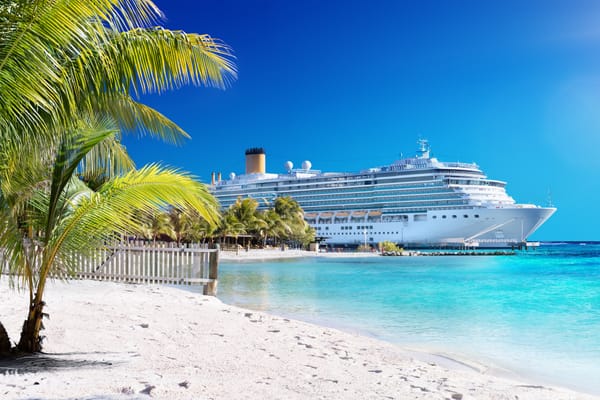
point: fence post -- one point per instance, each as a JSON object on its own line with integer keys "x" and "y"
{"x": 213, "y": 271}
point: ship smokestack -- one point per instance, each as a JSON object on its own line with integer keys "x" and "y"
{"x": 256, "y": 161}
{"x": 212, "y": 178}
{"x": 219, "y": 177}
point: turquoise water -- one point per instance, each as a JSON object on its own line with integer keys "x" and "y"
{"x": 536, "y": 314}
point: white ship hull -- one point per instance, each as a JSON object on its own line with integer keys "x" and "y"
{"x": 492, "y": 228}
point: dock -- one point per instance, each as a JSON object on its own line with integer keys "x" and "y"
{"x": 449, "y": 253}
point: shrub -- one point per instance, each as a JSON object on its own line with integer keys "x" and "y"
{"x": 389, "y": 246}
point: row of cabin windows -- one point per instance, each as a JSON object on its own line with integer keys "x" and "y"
{"x": 360, "y": 233}
{"x": 454, "y": 216}
{"x": 345, "y": 228}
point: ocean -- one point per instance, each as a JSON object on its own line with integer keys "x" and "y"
{"x": 536, "y": 314}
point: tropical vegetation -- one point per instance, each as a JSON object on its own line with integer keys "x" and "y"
{"x": 282, "y": 223}
{"x": 388, "y": 246}
{"x": 70, "y": 73}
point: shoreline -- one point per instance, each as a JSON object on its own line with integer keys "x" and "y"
{"x": 445, "y": 356}
{"x": 278, "y": 254}
{"x": 167, "y": 342}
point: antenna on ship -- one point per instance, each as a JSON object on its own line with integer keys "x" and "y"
{"x": 423, "y": 148}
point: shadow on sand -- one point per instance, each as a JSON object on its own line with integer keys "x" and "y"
{"x": 44, "y": 362}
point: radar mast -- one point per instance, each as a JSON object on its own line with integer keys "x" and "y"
{"x": 423, "y": 151}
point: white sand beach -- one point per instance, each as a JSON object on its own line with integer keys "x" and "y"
{"x": 122, "y": 341}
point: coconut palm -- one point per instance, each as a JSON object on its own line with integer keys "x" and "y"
{"x": 288, "y": 209}
{"x": 177, "y": 222}
{"x": 230, "y": 226}
{"x": 155, "y": 224}
{"x": 246, "y": 212}
{"x": 274, "y": 226}
{"x": 68, "y": 72}
{"x": 292, "y": 215}
{"x": 51, "y": 219}
{"x": 195, "y": 228}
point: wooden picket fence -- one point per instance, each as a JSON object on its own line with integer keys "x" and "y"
{"x": 142, "y": 262}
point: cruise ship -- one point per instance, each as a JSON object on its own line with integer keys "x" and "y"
{"x": 414, "y": 202}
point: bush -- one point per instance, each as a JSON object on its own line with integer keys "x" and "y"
{"x": 389, "y": 246}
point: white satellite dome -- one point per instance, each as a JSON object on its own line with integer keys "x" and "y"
{"x": 288, "y": 166}
{"x": 232, "y": 176}
{"x": 306, "y": 165}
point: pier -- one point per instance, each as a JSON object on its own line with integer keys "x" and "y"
{"x": 449, "y": 253}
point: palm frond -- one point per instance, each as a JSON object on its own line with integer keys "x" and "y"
{"x": 41, "y": 43}
{"x": 135, "y": 117}
{"x": 36, "y": 38}
{"x": 150, "y": 61}
{"x": 114, "y": 209}
{"x": 72, "y": 150}
{"x": 107, "y": 159}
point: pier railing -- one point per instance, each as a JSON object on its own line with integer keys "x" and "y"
{"x": 140, "y": 262}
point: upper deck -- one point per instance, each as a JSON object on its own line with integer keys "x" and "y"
{"x": 409, "y": 184}
{"x": 419, "y": 168}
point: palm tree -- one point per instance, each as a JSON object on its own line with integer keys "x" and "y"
{"x": 231, "y": 226}
{"x": 157, "y": 223}
{"x": 51, "y": 218}
{"x": 288, "y": 209}
{"x": 207, "y": 232}
{"x": 274, "y": 227}
{"x": 194, "y": 228}
{"x": 176, "y": 222}
{"x": 292, "y": 215}
{"x": 246, "y": 212}
{"x": 68, "y": 70}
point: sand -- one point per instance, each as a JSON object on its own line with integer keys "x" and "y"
{"x": 121, "y": 341}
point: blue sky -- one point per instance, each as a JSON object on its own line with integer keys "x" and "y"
{"x": 511, "y": 85}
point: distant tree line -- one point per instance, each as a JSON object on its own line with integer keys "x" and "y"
{"x": 282, "y": 223}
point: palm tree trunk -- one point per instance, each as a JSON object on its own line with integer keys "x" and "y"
{"x": 30, "y": 341}
{"x": 4, "y": 342}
